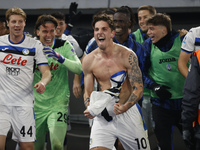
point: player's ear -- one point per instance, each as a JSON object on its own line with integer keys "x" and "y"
{"x": 37, "y": 32}
{"x": 129, "y": 24}
{"x": 7, "y": 23}
{"x": 113, "y": 33}
{"x": 164, "y": 30}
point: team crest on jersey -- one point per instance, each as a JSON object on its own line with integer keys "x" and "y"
{"x": 25, "y": 51}
{"x": 169, "y": 67}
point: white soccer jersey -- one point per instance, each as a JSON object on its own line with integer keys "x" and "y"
{"x": 74, "y": 43}
{"x": 191, "y": 41}
{"x": 17, "y": 63}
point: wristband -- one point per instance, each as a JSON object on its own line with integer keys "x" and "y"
{"x": 42, "y": 84}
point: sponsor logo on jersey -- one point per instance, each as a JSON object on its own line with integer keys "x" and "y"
{"x": 52, "y": 66}
{"x": 167, "y": 60}
{"x": 4, "y": 49}
{"x": 25, "y": 51}
{"x": 12, "y": 71}
{"x": 9, "y": 59}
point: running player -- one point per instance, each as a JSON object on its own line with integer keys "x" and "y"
{"x": 19, "y": 54}
{"x": 51, "y": 108}
{"x": 107, "y": 60}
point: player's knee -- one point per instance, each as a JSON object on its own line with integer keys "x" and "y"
{"x": 2, "y": 142}
{"x": 26, "y": 146}
{"x": 57, "y": 146}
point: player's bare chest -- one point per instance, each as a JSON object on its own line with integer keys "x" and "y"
{"x": 106, "y": 67}
{"x": 105, "y": 64}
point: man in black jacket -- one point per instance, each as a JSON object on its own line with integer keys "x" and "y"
{"x": 191, "y": 105}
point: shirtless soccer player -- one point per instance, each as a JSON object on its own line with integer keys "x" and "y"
{"x": 114, "y": 107}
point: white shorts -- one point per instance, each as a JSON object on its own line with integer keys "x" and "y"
{"x": 20, "y": 119}
{"x": 128, "y": 127}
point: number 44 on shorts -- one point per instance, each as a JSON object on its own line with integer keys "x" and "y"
{"x": 29, "y": 131}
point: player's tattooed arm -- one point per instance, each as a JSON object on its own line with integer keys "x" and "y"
{"x": 87, "y": 102}
{"x": 135, "y": 78}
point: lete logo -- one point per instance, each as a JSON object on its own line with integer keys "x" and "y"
{"x": 9, "y": 59}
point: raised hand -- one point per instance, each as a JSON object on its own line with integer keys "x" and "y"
{"x": 49, "y": 52}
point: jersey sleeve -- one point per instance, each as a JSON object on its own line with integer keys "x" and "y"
{"x": 92, "y": 45}
{"x": 78, "y": 50}
{"x": 40, "y": 57}
{"x": 72, "y": 62}
{"x": 188, "y": 42}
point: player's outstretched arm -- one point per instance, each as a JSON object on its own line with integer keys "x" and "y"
{"x": 72, "y": 62}
{"x": 46, "y": 77}
{"x": 88, "y": 83}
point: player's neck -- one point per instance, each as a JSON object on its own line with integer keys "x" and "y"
{"x": 109, "y": 50}
{"x": 16, "y": 38}
{"x": 122, "y": 38}
{"x": 58, "y": 37}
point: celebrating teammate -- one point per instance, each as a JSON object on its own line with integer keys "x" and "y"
{"x": 51, "y": 108}
{"x": 166, "y": 82}
{"x": 19, "y": 54}
{"x": 116, "y": 69}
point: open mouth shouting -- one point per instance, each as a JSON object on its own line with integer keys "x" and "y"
{"x": 117, "y": 29}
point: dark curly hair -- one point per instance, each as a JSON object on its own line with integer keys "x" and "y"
{"x": 103, "y": 17}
